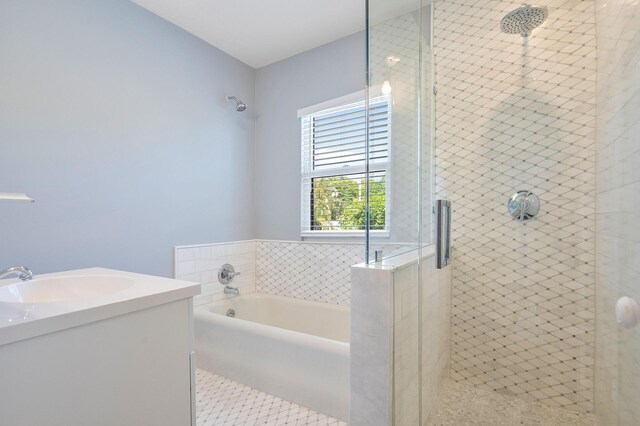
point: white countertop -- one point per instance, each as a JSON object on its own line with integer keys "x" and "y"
{"x": 20, "y": 321}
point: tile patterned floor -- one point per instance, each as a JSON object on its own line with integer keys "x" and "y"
{"x": 223, "y": 402}
{"x": 465, "y": 405}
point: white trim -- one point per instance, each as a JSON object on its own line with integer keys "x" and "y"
{"x": 346, "y": 242}
{"x": 350, "y": 170}
{"x": 333, "y": 103}
{"x": 343, "y": 234}
{"x": 342, "y": 100}
{"x": 268, "y": 240}
{"x": 175, "y": 262}
{"x": 213, "y": 244}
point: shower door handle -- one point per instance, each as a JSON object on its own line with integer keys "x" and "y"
{"x": 443, "y": 233}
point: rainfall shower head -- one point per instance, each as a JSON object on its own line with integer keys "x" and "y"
{"x": 523, "y": 20}
{"x": 239, "y": 105}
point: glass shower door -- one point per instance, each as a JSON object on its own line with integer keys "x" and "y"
{"x": 536, "y": 149}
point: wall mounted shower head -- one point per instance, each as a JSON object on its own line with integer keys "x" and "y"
{"x": 523, "y": 20}
{"x": 239, "y": 105}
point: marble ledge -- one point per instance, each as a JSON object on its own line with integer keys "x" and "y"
{"x": 399, "y": 261}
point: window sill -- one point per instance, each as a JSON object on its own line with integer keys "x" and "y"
{"x": 343, "y": 234}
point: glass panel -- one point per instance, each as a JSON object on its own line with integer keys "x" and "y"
{"x": 400, "y": 65}
{"x": 617, "y": 375}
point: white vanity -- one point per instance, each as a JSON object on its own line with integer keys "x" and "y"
{"x": 97, "y": 347}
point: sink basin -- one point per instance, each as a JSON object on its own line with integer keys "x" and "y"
{"x": 60, "y": 289}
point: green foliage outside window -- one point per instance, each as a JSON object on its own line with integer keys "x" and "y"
{"x": 338, "y": 203}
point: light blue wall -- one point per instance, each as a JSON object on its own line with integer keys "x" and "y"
{"x": 315, "y": 76}
{"x": 114, "y": 120}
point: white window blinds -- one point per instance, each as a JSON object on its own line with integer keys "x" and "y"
{"x": 333, "y": 166}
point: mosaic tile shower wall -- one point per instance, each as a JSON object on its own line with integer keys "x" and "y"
{"x": 617, "y": 230}
{"x": 515, "y": 115}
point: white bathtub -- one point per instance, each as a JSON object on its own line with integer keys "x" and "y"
{"x": 294, "y": 349}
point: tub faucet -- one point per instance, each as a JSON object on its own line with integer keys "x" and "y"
{"x": 231, "y": 290}
{"x": 24, "y": 272}
{"x": 226, "y": 274}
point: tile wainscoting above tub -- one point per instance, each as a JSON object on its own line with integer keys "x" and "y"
{"x": 316, "y": 271}
{"x": 200, "y": 263}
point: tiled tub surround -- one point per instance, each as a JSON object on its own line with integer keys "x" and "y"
{"x": 294, "y": 349}
{"x": 618, "y": 193}
{"x": 514, "y": 116}
{"x": 312, "y": 271}
{"x": 200, "y": 263}
{"x": 309, "y": 270}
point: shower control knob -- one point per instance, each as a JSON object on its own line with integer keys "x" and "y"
{"x": 226, "y": 274}
{"x": 523, "y": 206}
{"x": 627, "y": 312}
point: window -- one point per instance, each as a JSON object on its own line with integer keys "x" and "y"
{"x": 333, "y": 167}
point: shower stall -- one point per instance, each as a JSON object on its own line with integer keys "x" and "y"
{"x": 525, "y": 118}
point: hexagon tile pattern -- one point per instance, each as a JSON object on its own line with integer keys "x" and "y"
{"x": 516, "y": 114}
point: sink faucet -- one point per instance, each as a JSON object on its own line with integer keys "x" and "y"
{"x": 25, "y": 273}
